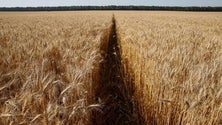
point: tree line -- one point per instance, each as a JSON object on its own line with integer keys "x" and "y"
{"x": 69, "y": 8}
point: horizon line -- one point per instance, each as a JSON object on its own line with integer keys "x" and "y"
{"x": 102, "y": 6}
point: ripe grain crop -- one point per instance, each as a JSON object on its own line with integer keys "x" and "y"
{"x": 174, "y": 60}
{"x": 83, "y": 68}
{"x": 49, "y": 64}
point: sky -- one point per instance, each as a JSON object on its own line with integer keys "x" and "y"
{"x": 35, "y": 3}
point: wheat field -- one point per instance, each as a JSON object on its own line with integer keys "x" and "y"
{"x": 49, "y": 66}
{"x": 111, "y": 67}
{"x": 175, "y": 59}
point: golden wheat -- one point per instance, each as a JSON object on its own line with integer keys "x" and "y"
{"x": 48, "y": 66}
{"x": 175, "y": 60}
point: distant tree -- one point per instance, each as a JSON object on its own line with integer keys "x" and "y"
{"x": 112, "y": 7}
